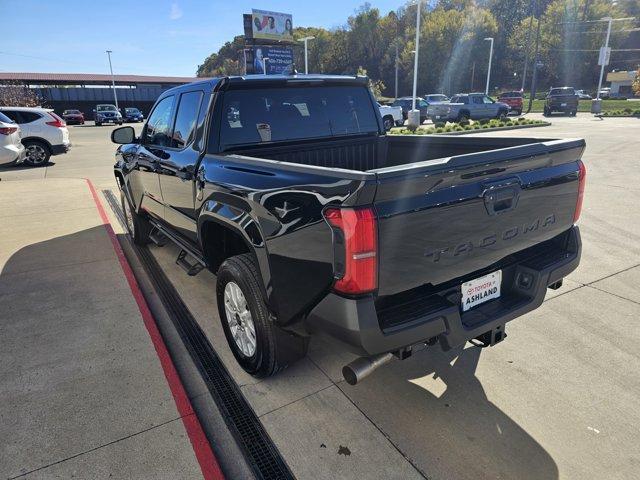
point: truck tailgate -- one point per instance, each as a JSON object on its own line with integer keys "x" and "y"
{"x": 444, "y": 219}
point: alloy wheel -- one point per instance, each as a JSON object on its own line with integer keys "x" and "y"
{"x": 239, "y": 319}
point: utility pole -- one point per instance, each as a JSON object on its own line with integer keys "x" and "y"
{"x": 113, "y": 82}
{"x": 526, "y": 55}
{"x": 486, "y": 89}
{"x": 264, "y": 65}
{"x": 535, "y": 67}
{"x": 306, "y": 61}
{"x": 396, "y": 70}
{"x": 473, "y": 74}
{"x": 603, "y": 55}
{"x": 414, "y": 115}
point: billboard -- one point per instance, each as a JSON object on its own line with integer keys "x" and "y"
{"x": 279, "y": 60}
{"x": 271, "y": 25}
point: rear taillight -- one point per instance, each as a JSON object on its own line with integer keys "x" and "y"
{"x": 582, "y": 177}
{"x": 57, "y": 121}
{"x": 355, "y": 238}
{"x": 8, "y": 130}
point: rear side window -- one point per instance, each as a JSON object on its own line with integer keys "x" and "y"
{"x": 158, "y": 128}
{"x": 184, "y": 129}
{"x": 14, "y": 115}
{"x": 276, "y": 114}
{"x": 562, "y": 91}
{"x": 5, "y": 119}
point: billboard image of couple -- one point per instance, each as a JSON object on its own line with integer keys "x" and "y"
{"x": 271, "y": 25}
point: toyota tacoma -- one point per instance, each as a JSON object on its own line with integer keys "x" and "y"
{"x": 315, "y": 221}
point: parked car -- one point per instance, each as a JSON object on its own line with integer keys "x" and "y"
{"x": 73, "y": 116}
{"x": 465, "y": 106}
{"x": 514, "y": 100}
{"x": 107, "y": 113}
{"x": 133, "y": 115}
{"x": 605, "y": 92}
{"x": 11, "y": 149}
{"x": 582, "y": 95}
{"x": 43, "y": 132}
{"x": 391, "y": 116}
{"x": 561, "y": 99}
{"x": 380, "y": 241}
{"x": 407, "y": 102}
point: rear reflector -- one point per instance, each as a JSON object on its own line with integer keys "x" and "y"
{"x": 8, "y": 130}
{"x": 358, "y": 236}
{"x": 582, "y": 177}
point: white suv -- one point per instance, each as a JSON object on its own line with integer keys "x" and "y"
{"x": 43, "y": 132}
{"x": 11, "y": 150}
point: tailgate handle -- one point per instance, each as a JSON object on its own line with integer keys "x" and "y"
{"x": 501, "y": 199}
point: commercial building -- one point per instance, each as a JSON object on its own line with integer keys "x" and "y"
{"x": 621, "y": 83}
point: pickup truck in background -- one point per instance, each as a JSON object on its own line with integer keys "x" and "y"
{"x": 563, "y": 99}
{"x": 315, "y": 221}
{"x": 465, "y": 106}
{"x": 515, "y": 101}
{"x": 391, "y": 116}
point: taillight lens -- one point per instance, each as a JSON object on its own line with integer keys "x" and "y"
{"x": 8, "y": 130}
{"x": 57, "y": 121}
{"x": 582, "y": 178}
{"x": 359, "y": 239}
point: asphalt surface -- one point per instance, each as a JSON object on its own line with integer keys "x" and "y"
{"x": 558, "y": 399}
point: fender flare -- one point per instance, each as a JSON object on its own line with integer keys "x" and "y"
{"x": 241, "y": 222}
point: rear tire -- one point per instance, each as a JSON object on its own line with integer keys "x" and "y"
{"x": 37, "y": 153}
{"x": 546, "y": 112}
{"x": 463, "y": 117}
{"x": 502, "y": 115}
{"x": 137, "y": 226}
{"x": 388, "y": 123}
{"x": 260, "y": 347}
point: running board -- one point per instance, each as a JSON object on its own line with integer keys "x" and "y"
{"x": 157, "y": 237}
{"x": 188, "y": 259}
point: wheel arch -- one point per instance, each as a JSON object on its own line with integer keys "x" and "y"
{"x": 38, "y": 140}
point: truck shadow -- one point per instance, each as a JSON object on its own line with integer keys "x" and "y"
{"x": 435, "y": 410}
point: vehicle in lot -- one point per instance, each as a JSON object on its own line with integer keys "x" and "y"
{"x": 391, "y": 116}
{"x": 380, "y": 241}
{"x": 107, "y": 113}
{"x": 11, "y": 148}
{"x": 582, "y": 95}
{"x": 561, "y": 99}
{"x": 407, "y": 102}
{"x": 605, "y": 92}
{"x": 132, "y": 114}
{"x": 73, "y": 117}
{"x": 514, "y": 100}
{"x": 465, "y": 106}
{"x": 43, "y": 133}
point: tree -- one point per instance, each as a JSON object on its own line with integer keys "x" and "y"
{"x": 19, "y": 95}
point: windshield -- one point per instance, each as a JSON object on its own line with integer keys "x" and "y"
{"x": 106, "y": 108}
{"x": 561, "y": 91}
{"x": 275, "y": 114}
{"x": 437, "y": 98}
{"x": 71, "y": 112}
{"x": 132, "y": 110}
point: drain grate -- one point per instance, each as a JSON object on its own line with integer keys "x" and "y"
{"x": 261, "y": 453}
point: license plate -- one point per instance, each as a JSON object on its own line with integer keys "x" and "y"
{"x": 480, "y": 290}
{"x": 563, "y": 104}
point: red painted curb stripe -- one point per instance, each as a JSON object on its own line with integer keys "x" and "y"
{"x": 201, "y": 447}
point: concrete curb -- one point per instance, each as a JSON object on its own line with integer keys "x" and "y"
{"x": 479, "y": 130}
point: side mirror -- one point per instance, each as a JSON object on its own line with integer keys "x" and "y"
{"x": 123, "y": 135}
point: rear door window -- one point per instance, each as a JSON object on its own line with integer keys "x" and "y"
{"x": 184, "y": 129}
{"x": 158, "y": 129}
{"x": 14, "y": 115}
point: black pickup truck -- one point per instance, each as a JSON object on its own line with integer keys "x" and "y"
{"x": 316, "y": 221}
{"x": 561, "y": 99}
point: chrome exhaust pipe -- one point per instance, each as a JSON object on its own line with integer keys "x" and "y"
{"x": 361, "y": 367}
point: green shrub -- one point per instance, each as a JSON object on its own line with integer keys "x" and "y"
{"x": 439, "y": 124}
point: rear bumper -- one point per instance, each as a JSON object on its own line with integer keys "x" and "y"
{"x": 357, "y": 323}
{"x": 60, "y": 148}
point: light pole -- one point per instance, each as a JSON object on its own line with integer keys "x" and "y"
{"x": 396, "y": 91}
{"x": 264, "y": 65}
{"x": 414, "y": 115}
{"x": 603, "y": 57}
{"x": 306, "y": 60}
{"x": 113, "y": 82}
{"x": 486, "y": 90}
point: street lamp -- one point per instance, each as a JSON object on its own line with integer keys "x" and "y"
{"x": 113, "y": 82}
{"x": 264, "y": 64}
{"x": 486, "y": 90}
{"x": 306, "y": 61}
{"x": 414, "y": 115}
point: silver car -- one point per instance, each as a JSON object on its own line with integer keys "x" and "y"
{"x": 11, "y": 149}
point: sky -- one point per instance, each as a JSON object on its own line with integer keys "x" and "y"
{"x": 147, "y": 37}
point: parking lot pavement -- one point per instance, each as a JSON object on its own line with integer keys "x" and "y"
{"x": 558, "y": 399}
{"x": 82, "y": 392}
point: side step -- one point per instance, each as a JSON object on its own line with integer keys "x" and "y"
{"x": 188, "y": 259}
